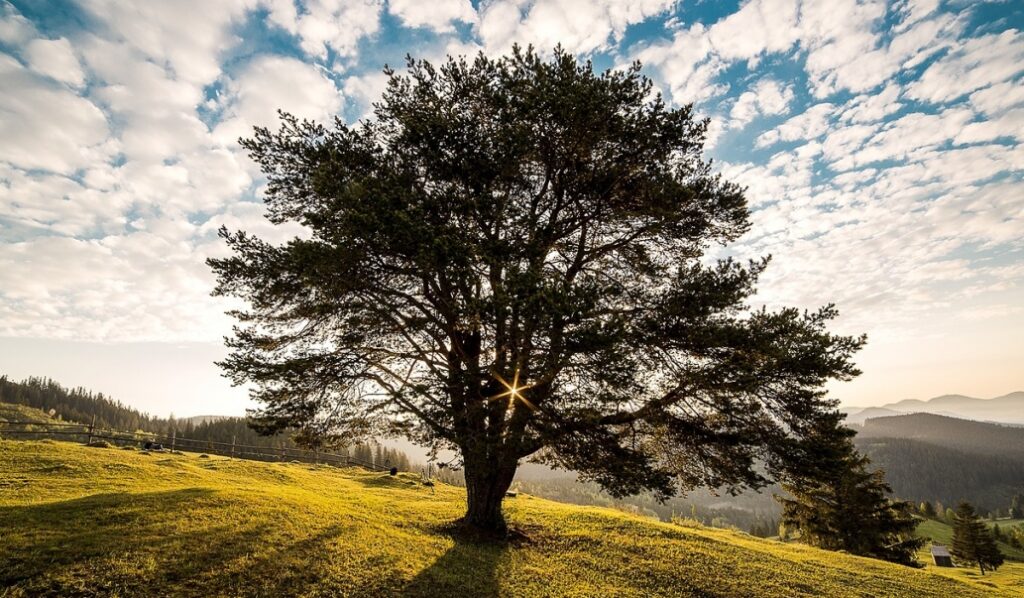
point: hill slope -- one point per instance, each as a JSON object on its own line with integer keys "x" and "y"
{"x": 93, "y": 521}
{"x": 969, "y": 436}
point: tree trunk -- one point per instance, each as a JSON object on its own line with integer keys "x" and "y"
{"x": 486, "y": 485}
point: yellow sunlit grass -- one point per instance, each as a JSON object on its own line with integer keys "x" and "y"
{"x": 77, "y": 521}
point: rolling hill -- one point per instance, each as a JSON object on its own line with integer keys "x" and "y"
{"x": 968, "y": 436}
{"x": 85, "y": 521}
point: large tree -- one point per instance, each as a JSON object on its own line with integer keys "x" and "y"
{"x": 510, "y": 259}
{"x": 838, "y": 502}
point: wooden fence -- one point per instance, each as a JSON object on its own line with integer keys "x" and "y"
{"x": 30, "y": 430}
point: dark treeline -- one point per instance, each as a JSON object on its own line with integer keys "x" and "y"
{"x": 78, "y": 405}
{"x": 920, "y": 471}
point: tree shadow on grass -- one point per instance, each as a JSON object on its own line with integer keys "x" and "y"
{"x": 117, "y": 543}
{"x": 469, "y": 568}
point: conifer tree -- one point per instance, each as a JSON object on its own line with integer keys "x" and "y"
{"x": 972, "y": 540}
{"x": 927, "y": 510}
{"x": 838, "y": 503}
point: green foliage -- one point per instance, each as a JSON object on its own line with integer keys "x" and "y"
{"x": 838, "y": 503}
{"x": 926, "y": 509}
{"x": 973, "y": 542}
{"x": 85, "y": 522}
{"x": 508, "y": 260}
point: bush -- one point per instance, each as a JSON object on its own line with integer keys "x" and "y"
{"x": 100, "y": 444}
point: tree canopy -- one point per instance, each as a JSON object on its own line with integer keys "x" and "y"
{"x": 514, "y": 259}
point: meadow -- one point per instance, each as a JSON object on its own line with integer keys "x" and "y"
{"x": 92, "y": 521}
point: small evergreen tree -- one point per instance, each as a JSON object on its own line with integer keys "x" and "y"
{"x": 972, "y": 540}
{"x": 997, "y": 533}
{"x": 927, "y": 510}
{"x": 1016, "y": 508}
{"x": 838, "y": 503}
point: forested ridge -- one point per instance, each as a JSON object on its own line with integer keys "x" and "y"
{"x": 978, "y": 437}
{"x": 80, "y": 405}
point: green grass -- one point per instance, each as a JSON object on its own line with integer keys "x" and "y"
{"x": 942, "y": 533}
{"x": 82, "y": 521}
{"x": 12, "y": 412}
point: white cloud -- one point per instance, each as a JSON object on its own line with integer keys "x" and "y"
{"x": 15, "y": 29}
{"x": 906, "y": 136}
{"x": 188, "y": 36}
{"x": 1007, "y": 125}
{"x": 974, "y": 64}
{"x": 872, "y": 107}
{"x": 272, "y": 83}
{"x": 365, "y": 89}
{"x": 323, "y": 25}
{"x": 999, "y": 97}
{"x": 758, "y": 27}
{"x": 811, "y": 124}
{"x": 767, "y": 98}
{"x": 45, "y": 126}
{"x": 437, "y": 15}
{"x": 56, "y": 59}
{"x": 580, "y": 26}
{"x": 686, "y": 65}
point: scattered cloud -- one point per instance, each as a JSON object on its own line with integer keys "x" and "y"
{"x": 880, "y": 141}
{"x": 439, "y": 15}
{"x": 577, "y": 25}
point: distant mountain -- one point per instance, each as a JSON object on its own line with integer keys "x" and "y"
{"x": 1007, "y": 409}
{"x": 858, "y": 416}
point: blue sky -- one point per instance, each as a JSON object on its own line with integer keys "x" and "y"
{"x": 880, "y": 142}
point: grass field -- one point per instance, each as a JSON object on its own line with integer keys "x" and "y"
{"x": 942, "y": 533}
{"x": 87, "y": 521}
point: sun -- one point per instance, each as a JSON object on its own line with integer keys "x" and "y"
{"x": 513, "y": 391}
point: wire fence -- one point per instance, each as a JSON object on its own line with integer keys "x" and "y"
{"x": 90, "y": 433}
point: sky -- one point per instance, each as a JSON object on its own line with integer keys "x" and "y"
{"x": 880, "y": 142}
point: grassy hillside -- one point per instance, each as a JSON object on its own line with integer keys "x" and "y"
{"x": 10, "y": 412}
{"x": 942, "y": 533}
{"x": 82, "y": 521}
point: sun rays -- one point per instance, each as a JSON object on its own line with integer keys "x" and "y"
{"x": 513, "y": 391}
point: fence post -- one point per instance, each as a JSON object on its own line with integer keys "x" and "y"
{"x": 174, "y": 434}
{"x": 282, "y": 453}
{"x": 91, "y": 426}
{"x": 232, "y": 446}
